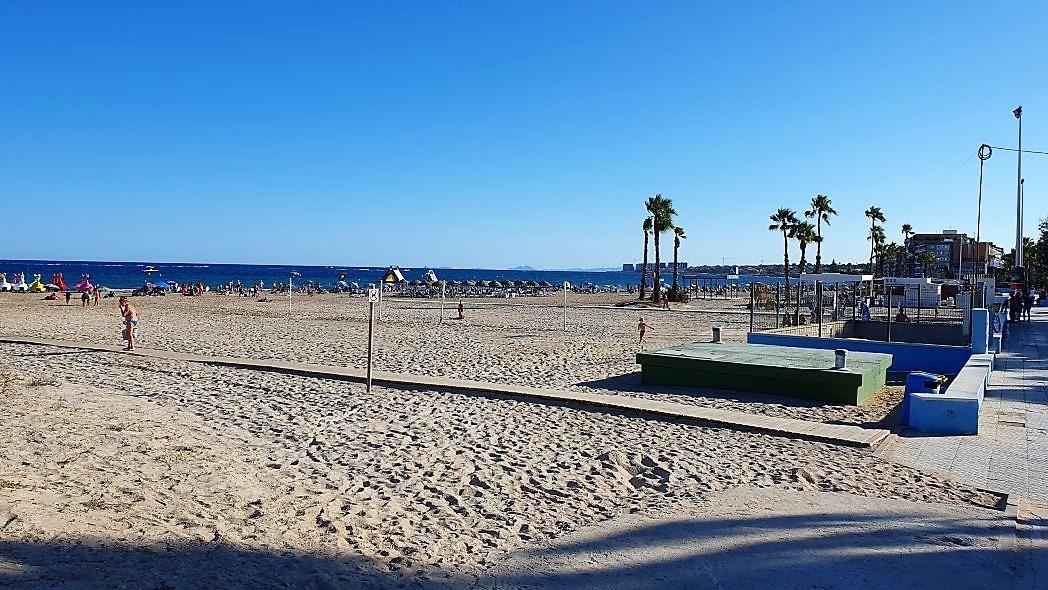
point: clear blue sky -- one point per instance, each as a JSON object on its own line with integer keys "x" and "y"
{"x": 496, "y": 134}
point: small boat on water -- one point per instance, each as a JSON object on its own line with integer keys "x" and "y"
{"x": 149, "y": 270}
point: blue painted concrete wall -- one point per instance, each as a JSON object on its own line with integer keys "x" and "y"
{"x": 956, "y": 410}
{"x": 906, "y": 357}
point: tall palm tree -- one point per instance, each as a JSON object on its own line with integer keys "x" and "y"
{"x": 907, "y": 231}
{"x": 662, "y": 213}
{"x": 821, "y": 209}
{"x": 678, "y": 235}
{"x": 804, "y": 233}
{"x": 875, "y": 215}
{"x": 926, "y": 259}
{"x": 877, "y": 239}
{"x": 644, "y": 267}
{"x": 784, "y": 220}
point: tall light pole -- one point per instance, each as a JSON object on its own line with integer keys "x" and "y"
{"x": 1019, "y": 273}
{"x": 985, "y": 151}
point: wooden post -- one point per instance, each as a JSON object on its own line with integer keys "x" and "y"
{"x": 371, "y": 339}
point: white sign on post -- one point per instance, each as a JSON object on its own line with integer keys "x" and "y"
{"x": 372, "y": 295}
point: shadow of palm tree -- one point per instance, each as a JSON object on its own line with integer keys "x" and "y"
{"x": 85, "y": 563}
{"x": 853, "y": 550}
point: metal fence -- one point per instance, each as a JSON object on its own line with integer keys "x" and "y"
{"x": 801, "y": 304}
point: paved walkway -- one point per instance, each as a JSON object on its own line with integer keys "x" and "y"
{"x": 832, "y": 433}
{"x": 1010, "y": 453}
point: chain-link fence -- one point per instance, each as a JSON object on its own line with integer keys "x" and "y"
{"x": 819, "y": 309}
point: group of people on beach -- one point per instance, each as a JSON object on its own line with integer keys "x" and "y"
{"x": 87, "y": 298}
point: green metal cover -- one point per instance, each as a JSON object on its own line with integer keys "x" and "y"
{"x": 782, "y": 370}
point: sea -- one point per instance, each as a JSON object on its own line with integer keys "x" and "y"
{"x": 131, "y": 275}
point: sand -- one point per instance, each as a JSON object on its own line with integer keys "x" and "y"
{"x": 517, "y": 341}
{"x": 122, "y": 471}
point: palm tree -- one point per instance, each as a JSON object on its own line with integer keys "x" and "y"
{"x": 784, "y": 220}
{"x": 662, "y": 213}
{"x": 804, "y": 233}
{"x": 821, "y": 209}
{"x": 678, "y": 235}
{"x": 907, "y": 231}
{"x": 644, "y": 268}
{"x": 877, "y": 239}
{"x": 875, "y": 215}
{"x": 926, "y": 259}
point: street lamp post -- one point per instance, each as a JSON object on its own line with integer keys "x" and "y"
{"x": 1019, "y": 273}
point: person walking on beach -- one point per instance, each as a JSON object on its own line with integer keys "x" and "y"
{"x": 127, "y": 310}
{"x": 642, "y": 327}
{"x": 461, "y": 309}
{"x": 84, "y": 298}
{"x": 69, "y": 296}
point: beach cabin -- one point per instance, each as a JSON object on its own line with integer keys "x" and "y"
{"x": 393, "y": 276}
{"x": 915, "y": 292}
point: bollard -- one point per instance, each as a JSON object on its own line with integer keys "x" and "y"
{"x": 840, "y": 359}
{"x": 716, "y": 333}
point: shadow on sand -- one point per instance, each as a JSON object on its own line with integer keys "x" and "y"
{"x": 90, "y": 564}
{"x": 631, "y": 383}
{"x": 852, "y": 550}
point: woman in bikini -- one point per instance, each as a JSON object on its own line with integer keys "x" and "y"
{"x": 130, "y": 321}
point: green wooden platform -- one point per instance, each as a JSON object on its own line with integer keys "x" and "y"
{"x": 779, "y": 370}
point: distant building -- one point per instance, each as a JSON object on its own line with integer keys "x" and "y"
{"x": 954, "y": 252}
{"x": 639, "y": 267}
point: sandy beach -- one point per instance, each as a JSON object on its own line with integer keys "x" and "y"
{"x": 217, "y": 477}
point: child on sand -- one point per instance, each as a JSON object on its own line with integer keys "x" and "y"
{"x": 642, "y": 327}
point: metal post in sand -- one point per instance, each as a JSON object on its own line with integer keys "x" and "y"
{"x": 565, "y": 314}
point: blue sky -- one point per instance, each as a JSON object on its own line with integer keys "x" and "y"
{"x": 497, "y": 134}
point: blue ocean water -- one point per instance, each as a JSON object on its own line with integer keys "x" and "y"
{"x": 129, "y": 275}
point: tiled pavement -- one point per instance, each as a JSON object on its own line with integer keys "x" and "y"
{"x": 1010, "y": 453}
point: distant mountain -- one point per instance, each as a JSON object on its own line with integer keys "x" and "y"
{"x": 523, "y": 268}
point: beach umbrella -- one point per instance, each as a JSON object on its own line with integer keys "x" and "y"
{"x": 416, "y": 283}
{"x": 484, "y": 283}
{"x": 471, "y": 283}
{"x": 520, "y": 283}
{"x": 532, "y": 284}
{"x": 546, "y": 284}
